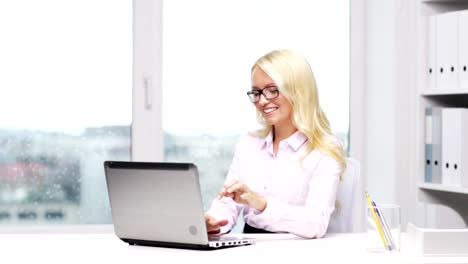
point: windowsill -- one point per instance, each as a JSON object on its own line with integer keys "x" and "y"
{"x": 58, "y": 229}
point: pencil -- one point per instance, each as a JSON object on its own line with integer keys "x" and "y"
{"x": 386, "y": 230}
{"x": 377, "y": 222}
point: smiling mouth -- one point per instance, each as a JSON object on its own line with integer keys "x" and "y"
{"x": 269, "y": 110}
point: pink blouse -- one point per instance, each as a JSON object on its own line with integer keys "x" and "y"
{"x": 300, "y": 196}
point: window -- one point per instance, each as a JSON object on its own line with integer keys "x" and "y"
{"x": 66, "y": 106}
{"x": 209, "y": 47}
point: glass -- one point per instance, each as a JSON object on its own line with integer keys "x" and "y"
{"x": 388, "y": 228}
{"x": 269, "y": 93}
{"x": 63, "y": 113}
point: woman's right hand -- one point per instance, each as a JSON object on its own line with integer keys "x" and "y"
{"x": 213, "y": 226}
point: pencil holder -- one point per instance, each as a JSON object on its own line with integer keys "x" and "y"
{"x": 383, "y": 228}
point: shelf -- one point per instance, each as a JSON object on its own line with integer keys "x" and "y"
{"x": 443, "y": 188}
{"x": 444, "y": 1}
{"x": 439, "y": 197}
{"x": 453, "y": 197}
{"x": 439, "y": 92}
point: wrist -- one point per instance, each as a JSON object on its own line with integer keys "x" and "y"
{"x": 262, "y": 203}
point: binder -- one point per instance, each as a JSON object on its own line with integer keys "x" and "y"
{"x": 428, "y": 146}
{"x": 436, "y": 145}
{"x": 431, "y": 69}
{"x": 432, "y": 145}
{"x": 447, "y": 51}
{"x": 463, "y": 50}
{"x": 454, "y": 145}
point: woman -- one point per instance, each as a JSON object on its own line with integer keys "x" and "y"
{"x": 283, "y": 177}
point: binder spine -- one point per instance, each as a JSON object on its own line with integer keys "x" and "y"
{"x": 428, "y": 146}
{"x": 436, "y": 145}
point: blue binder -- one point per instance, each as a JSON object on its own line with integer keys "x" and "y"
{"x": 428, "y": 146}
{"x": 436, "y": 166}
{"x": 433, "y": 145}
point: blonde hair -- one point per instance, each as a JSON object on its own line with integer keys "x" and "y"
{"x": 295, "y": 80}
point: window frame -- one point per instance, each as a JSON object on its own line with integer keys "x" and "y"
{"x": 147, "y": 131}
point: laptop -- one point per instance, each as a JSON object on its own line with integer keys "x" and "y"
{"x": 160, "y": 204}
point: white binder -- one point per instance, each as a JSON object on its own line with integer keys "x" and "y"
{"x": 447, "y": 51}
{"x": 463, "y": 50}
{"x": 454, "y": 145}
{"x": 431, "y": 69}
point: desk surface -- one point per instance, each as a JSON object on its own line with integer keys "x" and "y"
{"x": 270, "y": 248}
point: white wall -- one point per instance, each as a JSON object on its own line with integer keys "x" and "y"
{"x": 380, "y": 100}
{"x": 387, "y": 103}
{"x": 357, "y": 95}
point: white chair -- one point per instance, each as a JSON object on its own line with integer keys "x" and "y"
{"x": 341, "y": 220}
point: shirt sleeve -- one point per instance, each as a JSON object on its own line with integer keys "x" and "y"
{"x": 310, "y": 220}
{"x": 226, "y": 208}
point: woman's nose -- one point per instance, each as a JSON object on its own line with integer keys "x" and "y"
{"x": 262, "y": 101}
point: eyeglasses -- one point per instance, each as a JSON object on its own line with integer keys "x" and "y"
{"x": 269, "y": 93}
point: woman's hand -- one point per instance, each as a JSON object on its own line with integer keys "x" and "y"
{"x": 242, "y": 194}
{"x": 213, "y": 226}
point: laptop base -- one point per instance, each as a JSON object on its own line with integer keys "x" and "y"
{"x": 136, "y": 242}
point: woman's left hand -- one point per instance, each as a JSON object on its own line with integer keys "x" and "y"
{"x": 242, "y": 194}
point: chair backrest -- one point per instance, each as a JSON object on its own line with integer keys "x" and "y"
{"x": 341, "y": 220}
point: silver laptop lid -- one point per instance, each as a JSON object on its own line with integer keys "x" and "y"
{"x": 156, "y": 201}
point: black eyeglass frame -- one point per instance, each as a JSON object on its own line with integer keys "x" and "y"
{"x": 260, "y": 93}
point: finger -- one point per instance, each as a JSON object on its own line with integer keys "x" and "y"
{"x": 237, "y": 187}
{"x": 227, "y": 185}
{"x": 211, "y": 221}
{"x": 230, "y": 183}
{"x": 245, "y": 196}
{"x": 213, "y": 225}
{"x": 221, "y": 193}
{"x": 215, "y": 229}
{"x": 223, "y": 222}
{"x": 214, "y": 232}
{"x": 207, "y": 216}
{"x": 229, "y": 195}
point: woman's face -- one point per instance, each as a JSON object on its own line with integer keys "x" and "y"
{"x": 277, "y": 111}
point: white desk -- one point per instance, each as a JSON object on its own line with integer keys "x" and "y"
{"x": 277, "y": 248}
